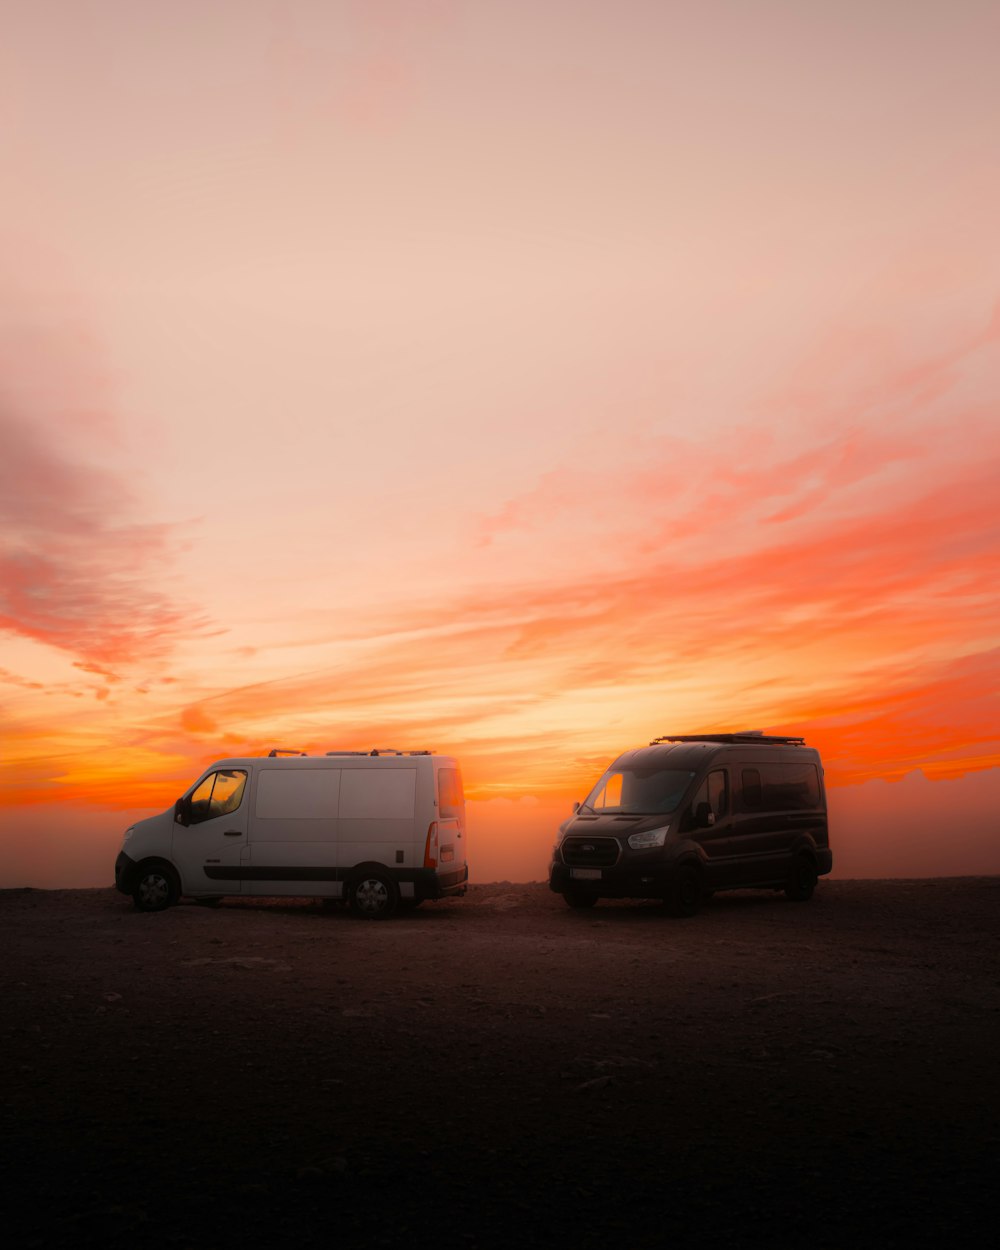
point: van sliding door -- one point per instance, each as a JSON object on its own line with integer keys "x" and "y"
{"x": 293, "y": 834}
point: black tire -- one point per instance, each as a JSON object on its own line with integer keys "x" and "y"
{"x": 686, "y": 893}
{"x": 579, "y": 899}
{"x": 802, "y": 880}
{"x": 374, "y": 895}
{"x": 156, "y": 887}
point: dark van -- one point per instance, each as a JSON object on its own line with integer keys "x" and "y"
{"x": 692, "y": 814}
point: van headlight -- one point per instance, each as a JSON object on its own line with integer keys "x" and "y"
{"x": 128, "y": 833}
{"x": 651, "y": 838}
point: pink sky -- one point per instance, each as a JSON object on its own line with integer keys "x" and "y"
{"x": 520, "y": 381}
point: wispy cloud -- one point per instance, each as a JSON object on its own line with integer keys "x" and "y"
{"x": 79, "y": 569}
{"x": 885, "y": 622}
{"x": 840, "y": 577}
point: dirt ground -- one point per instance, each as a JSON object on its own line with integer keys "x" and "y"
{"x": 500, "y": 1071}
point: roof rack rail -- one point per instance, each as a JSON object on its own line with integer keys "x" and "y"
{"x": 380, "y": 751}
{"x": 276, "y": 751}
{"x": 751, "y": 737}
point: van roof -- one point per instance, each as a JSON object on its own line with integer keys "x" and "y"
{"x": 278, "y": 752}
{"x": 752, "y": 737}
{"x": 363, "y": 759}
{"x": 690, "y": 752}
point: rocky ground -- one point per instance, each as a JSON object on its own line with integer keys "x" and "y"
{"x": 500, "y": 1071}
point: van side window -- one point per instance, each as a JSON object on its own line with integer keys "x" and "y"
{"x": 718, "y": 793}
{"x": 218, "y": 795}
{"x": 753, "y": 795}
{"x": 711, "y": 796}
{"x": 791, "y": 787}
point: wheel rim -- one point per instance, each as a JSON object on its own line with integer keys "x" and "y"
{"x": 154, "y": 890}
{"x": 371, "y": 896}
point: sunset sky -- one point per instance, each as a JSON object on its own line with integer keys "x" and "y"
{"x": 517, "y": 380}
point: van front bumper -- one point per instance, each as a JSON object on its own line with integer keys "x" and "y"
{"x": 616, "y": 881}
{"x": 124, "y": 873}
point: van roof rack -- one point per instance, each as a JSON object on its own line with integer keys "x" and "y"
{"x": 752, "y": 737}
{"x": 276, "y": 751}
{"x": 380, "y": 751}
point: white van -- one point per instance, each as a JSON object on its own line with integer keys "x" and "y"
{"x": 382, "y": 830}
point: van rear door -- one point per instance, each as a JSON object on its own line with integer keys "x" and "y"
{"x": 452, "y": 838}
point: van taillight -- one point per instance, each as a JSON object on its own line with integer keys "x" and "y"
{"x": 431, "y": 849}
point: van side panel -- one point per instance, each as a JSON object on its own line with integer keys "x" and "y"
{"x": 378, "y": 816}
{"x": 777, "y": 801}
{"x": 293, "y": 832}
{"x": 290, "y": 796}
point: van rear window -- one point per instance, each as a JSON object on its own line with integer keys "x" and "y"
{"x": 451, "y": 797}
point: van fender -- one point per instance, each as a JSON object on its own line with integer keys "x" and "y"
{"x": 688, "y": 855}
{"x": 368, "y": 865}
{"x": 687, "y": 852}
{"x": 804, "y": 844}
{"x": 158, "y": 861}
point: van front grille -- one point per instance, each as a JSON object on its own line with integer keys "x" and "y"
{"x": 590, "y": 852}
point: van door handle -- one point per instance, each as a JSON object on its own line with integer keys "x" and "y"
{"x": 233, "y": 833}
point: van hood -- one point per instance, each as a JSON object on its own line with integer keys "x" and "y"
{"x": 618, "y": 825}
{"x": 146, "y": 836}
{"x": 153, "y": 822}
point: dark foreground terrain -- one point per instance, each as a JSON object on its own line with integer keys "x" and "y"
{"x": 500, "y": 1071}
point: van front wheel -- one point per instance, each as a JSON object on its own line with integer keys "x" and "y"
{"x": 156, "y": 888}
{"x": 579, "y": 898}
{"x": 374, "y": 896}
{"x": 686, "y": 892}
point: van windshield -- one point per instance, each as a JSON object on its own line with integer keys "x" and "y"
{"x": 639, "y": 790}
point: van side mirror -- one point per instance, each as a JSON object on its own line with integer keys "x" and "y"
{"x": 182, "y": 812}
{"x": 576, "y": 808}
{"x": 704, "y": 817}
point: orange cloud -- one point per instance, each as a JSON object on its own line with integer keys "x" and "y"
{"x": 872, "y": 633}
{"x": 945, "y": 721}
{"x": 196, "y": 721}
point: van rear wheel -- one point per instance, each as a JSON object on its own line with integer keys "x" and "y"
{"x": 374, "y": 896}
{"x": 802, "y": 880}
